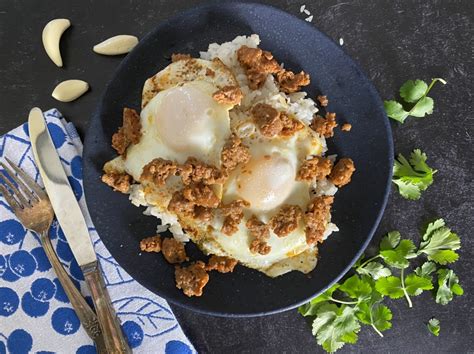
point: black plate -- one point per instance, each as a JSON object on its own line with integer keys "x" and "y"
{"x": 357, "y": 209}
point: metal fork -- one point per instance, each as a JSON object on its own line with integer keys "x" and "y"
{"x": 32, "y": 207}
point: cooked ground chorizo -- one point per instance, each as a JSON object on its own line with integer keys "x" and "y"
{"x": 267, "y": 119}
{"x": 194, "y": 171}
{"x": 317, "y": 168}
{"x": 191, "y": 279}
{"x": 291, "y": 82}
{"x": 221, "y": 263}
{"x": 201, "y": 195}
{"x": 286, "y": 221}
{"x": 128, "y": 133}
{"x": 316, "y": 218}
{"x": 179, "y": 205}
{"x": 203, "y": 214}
{"x": 158, "y": 170}
{"x": 179, "y": 56}
{"x": 151, "y": 244}
{"x": 173, "y": 250}
{"x": 261, "y": 232}
{"x": 290, "y": 125}
{"x": 342, "y": 172}
{"x": 118, "y": 181}
{"x": 325, "y": 126}
{"x": 228, "y": 95}
{"x": 233, "y": 216}
{"x": 210, "y": 72}
{"x": 233, "y": 153}
{"x": 258, "y": 64}
{"x": 346, "y": 127}
{"x": 323, "y": 100}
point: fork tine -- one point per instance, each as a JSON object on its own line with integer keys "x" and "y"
{"x": 14, "y": 189}
{"x": 9, "y": 198}
{"x": 27, "y": 179}
{"x": 21, "y": 186}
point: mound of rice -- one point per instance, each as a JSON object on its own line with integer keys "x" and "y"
{"x": 297, "y": 103}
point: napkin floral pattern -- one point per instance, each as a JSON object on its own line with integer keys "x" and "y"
{"x": 35, "y": 314}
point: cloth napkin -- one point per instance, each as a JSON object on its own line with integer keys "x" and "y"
{"x": 35, "y": 314}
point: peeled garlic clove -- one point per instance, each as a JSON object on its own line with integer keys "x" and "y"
{"x": 69, "y": 90}
{"x": 52, "y": 33}
{"x": 116, "y": 45}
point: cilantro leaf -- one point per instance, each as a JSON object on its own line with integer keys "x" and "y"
{"x": 334, "y": 326}
{"x": 423, "y": 107}
{"x": 311, "y": 308}
{"x": 390, "y": 286}
{"x": 395, "y": 111}
{"x": 412, "y": 91}
{"x": 398, "y": 257}
{"x": 415, "y": 284}
{"x": 374, "y": 270}
{"x": 390, "y": 241}
{"x": 433, "y": 326}
{"x": 412, "y": 177}
{"x": 376, "y": 315}
{"x": 448, "y": 284}
{"x": 440, "y": 243}
{"x": 357, "y": 288}
{"x": 425, "y": 270}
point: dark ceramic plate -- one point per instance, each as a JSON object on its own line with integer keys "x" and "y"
{"x": 357, "y": 209}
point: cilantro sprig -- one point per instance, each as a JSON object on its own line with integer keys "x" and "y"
{"x": 433, "y": 326}
{"x": 414, "y": 94}
{"x": 412, "y": 176}
{"x": 340, "y": 313}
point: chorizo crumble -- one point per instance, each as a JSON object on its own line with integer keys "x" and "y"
{"x": 118, "y": 181}
{"x": 233, "y": 153}
{"x": 290, "y": 125}
{"x": 267, "y": 119}
{"x": 191, "y": 279}
{"x": 317, "y": 168}
{"x": 323, "y": 100}
{"x": 261, "y": 232}
{"x": 173, "y": 250}
{"x": 258, "y": 64}
{"x": 317, "y": 217}
{"x": 324, "y": 126}
{"x": 286, "y": 221}
{"x": 158, "y": 170}
{"x": 195, "y": 171}
{"x": 346, "y": 127}
{"x": 234, "y": 214}
{"x": 201, "y": 195}
{"x": 128, "y": 133}
{"x": 221, "y": 263}
{"x": 291, "y": 82}
{"x": 151, "y": 244}
{"x": 342, "y": 172}
{"x": 228, "y": 95}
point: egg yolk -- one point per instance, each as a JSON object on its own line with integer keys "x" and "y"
{"x": 185, "y": 119}
{"x": 266, "y": 182}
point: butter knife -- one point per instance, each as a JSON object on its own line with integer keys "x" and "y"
{"x": 72, "y": 222}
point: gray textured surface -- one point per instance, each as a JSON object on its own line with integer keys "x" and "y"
{"x": 392, "y": 40}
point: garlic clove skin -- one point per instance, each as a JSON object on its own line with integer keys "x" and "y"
{"x": 116, "y": 45}
{"x": 51, "y": 36}
{"x": 70, "y": 90}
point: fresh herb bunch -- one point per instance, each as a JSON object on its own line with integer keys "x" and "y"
{"x": 412, "y": 176}
{"x": 414, "y": 94}
{"x": 339, "y": 313}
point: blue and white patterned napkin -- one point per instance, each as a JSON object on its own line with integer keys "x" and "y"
{"x": 35, "y": 314}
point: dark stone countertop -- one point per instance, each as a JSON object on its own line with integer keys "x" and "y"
{"x": 392, "y": 40}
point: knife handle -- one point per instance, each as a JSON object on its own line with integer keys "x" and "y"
{"x": 114, "y": 339}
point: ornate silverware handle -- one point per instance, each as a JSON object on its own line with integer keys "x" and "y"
{"x": 112, "y": 333}
{"x": 87, "y": 317}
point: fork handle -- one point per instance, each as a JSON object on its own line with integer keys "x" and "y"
{"x": 113, "y": 336}
{"x": 86, "y": 315}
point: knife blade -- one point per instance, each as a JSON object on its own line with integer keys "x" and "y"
{"x": 59, "y": 190}
{"x": 74, "y": 226}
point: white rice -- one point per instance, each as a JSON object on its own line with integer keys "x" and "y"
{"x": 297, "y": 103}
